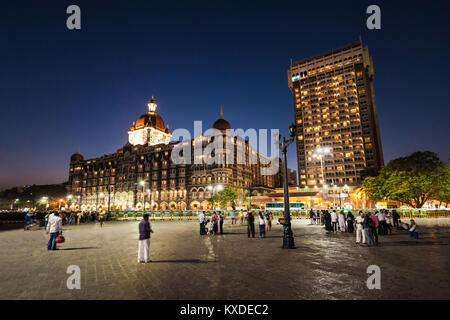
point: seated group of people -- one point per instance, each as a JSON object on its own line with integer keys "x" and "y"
{"x": 412, "y": 228}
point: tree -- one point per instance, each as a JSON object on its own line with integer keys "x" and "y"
{"x": 412, "y": 180}
{"x": 213, "y": 200}
{"x": 224, "y": 198}
{"x": 443, "y": 195}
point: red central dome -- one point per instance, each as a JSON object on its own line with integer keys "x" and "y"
{"x": 150, "y": 119}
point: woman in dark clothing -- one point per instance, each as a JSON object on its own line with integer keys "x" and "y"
{"x": 350, "y": 220}
{"x": 327, "y": 218}
{"x": 250, "y": 224}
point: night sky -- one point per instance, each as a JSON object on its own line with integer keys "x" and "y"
{"x": 62, "y": 88}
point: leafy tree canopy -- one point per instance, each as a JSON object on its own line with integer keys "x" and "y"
{"x": 413, "y": 180}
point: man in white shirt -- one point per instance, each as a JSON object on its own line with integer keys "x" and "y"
{"x": 54, "y": 227}
{"x": 359, "y": 229}
{"x": 334, "y": 220}
{"x": 382, "y": 222}
{"x": 413, "y": 230}
{"x": 201, "y": 220}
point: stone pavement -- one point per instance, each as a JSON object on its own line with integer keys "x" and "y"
{"x": 230, "y": 266}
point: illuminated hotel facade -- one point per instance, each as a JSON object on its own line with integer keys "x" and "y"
{"x": 335, "y": 110}
{"x": 142, "y": 175}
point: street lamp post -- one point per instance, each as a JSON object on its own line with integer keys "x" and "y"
{"x": 142, "y": 183}
{"x": 288, "y": 237}
{"x": 109, "y": 200}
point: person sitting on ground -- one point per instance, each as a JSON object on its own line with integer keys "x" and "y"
{"x": 413, "y": 230}
{"x": 402, "y": 225}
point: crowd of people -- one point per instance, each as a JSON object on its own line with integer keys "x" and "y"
{"x": 367, "y": 225}
{"x": 213, "y": 225}
{"x": 77, "y": 217}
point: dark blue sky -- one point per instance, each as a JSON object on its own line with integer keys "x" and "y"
{"x": 60, "y": 88}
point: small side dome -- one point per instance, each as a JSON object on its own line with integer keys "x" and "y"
{"x": 168, "y": 130}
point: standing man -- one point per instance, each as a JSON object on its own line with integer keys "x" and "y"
{"x": 382, "y": 222}
{"x": 262, "y": 226}
{"x": 360, "y": 235}
{"x": 233, "y": 216}
{"x": 221, "y": 218}
{"x": 269, "y": 221}
{"x": 327, "y": 221}
{"x": 334, "y": 220}
{"x": 241, "y": 217}
{"x": 311, "y": 216}
{"x": 388, "y": 222}
{"x": 47, "y": 216}
{"x": 214, "y": 221}
{"x": 201, "y": 220}
{"x": 250, "y": 224}
{"x": 374, "y": 229}
{"x": 101, "y": 218}
{"x": 144, "y": 240}
{"x": 54, "y": 227}
{"x": 368, "y": 224}
{"x": 395, "y": 217}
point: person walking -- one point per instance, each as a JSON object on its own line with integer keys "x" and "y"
{"x": 144, "y": 240}
{"x": 80, "y": 216}
{"x": 201, "y": 220}
{"x": 221, "y": 219}
{"x": 350, "y": 220}
{"x": 241, "y": 217}
{"x": 360, "y": 234}
{"x": 214, "y": 221}
{"x": 317, "y": 216}
{"x": 413, "y": 230}
{"x": 54, "y": 228}
{"x": 368, "y": 224}
{"x": 311, "y": 216}
{"x": 334, "y": 220}
{"x": 262, "y": 226}
{"x": 250, "y": 224}
{"x": 342, "y": 226}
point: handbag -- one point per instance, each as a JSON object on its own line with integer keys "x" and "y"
{"x": 60, "y": 239}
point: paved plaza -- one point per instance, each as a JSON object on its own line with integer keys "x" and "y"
{"x": 230, "y": 266}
